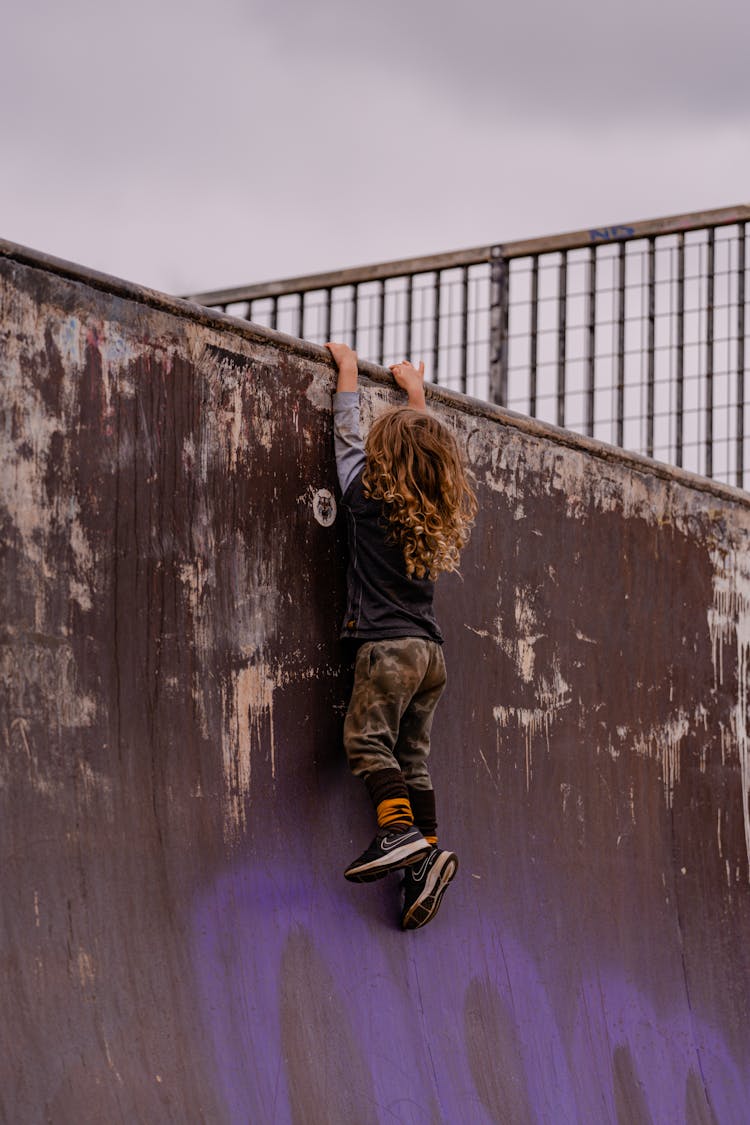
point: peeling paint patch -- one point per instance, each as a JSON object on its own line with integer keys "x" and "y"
{"x": 663, "y": 742}
{"x": 96, "y": 787}
{"x": 519, "y": 466}
{"x": 110, "y": 1062}
{"x": 525, "y": 636}
{"x": 234, "y": 417}
{"x": 85, "y": 966}
{"x": 33, "y": 672}
{"x": 248, "y": 735}
{"x": 34, "y": 453}
{"x": 247, "y": 729}
{"x": 729, "y": 620}
{"x": 319, "y": 393}
{"x": 518, "y": 646}
{"x": 553, "y": 697}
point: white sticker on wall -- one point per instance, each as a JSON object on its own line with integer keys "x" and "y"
{"x": 324, "y": 507}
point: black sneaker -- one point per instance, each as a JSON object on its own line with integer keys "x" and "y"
{"x": 424, "y": 886}
{"x": 392, "y": 848}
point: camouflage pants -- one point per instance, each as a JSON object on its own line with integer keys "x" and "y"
{"x": 397, "y": 684}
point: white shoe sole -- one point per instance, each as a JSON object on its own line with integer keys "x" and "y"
{"x": 424, "y": 908}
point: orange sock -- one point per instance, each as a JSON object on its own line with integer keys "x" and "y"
{"x": 395, "y": 812}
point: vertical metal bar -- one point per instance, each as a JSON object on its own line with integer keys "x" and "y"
{"x": 651, "y": 347}
{"x": 381, "y": 322}
{"x": 409, "y": 314}
{"x": 436, "y": 329}
{"x": 328, "y": 314}
{"x": 740, "y": 469}
{"x": 621, "y": 344}
{"x": 499, "y": 294}
{"x": 301, "y": 315}
{"x": 562, "y": 314}
{"x": 591, "y": 342}
{"x": 464, "y": 327}
{"x": 709, "y": 437}
{"x": 274, "y": 312}
{"x": 355, "y": 315}
{"x": 680, "y": 367}
{"x": 533, "y": 342}
{"x": 249, "y": 312}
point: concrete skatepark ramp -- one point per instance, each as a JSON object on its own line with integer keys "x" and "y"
{"x": 175, "y": 811}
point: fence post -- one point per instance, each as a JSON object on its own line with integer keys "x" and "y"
{"x": 562, "y": 335}
{"x": 499, "y": 294}
{"x": 740, "y": 471}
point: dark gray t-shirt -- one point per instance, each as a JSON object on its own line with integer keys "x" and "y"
{"x": 382, "y": 601}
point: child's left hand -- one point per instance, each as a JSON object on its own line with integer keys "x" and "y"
{"x": 411, "y": 380}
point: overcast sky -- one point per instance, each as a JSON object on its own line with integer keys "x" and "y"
{"x": 190, "y": 145}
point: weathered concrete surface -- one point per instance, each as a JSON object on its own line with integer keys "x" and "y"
{"x": 178, "y": 943}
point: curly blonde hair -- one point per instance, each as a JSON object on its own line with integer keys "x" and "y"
{"x": 414, "y": 467}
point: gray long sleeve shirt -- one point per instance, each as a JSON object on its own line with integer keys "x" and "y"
{"x": 382, "y": 600}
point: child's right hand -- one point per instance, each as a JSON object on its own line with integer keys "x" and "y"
{"x": 346, "y": 361}
{"x": 342, "y": 353}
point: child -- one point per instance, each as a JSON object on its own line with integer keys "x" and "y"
{"x": 409, "y": 507}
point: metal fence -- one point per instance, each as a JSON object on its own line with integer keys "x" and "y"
{"x": 633, "y": 334}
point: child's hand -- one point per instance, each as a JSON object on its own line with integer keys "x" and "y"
{"x": 346, "y": 361}
{"x": 411, "y": 380}
{"x": 342, "y": 353}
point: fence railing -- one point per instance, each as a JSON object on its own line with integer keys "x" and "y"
{"x": 633, "y": 334}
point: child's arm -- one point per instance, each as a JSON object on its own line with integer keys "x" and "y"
{"x": 411, "y": 380}
{"x": 350, "y": 451}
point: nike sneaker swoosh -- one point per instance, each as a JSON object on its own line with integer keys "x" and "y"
{"x": 388, "y": 845}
